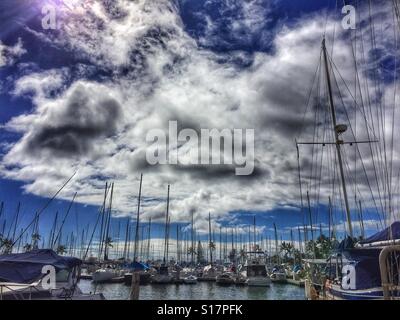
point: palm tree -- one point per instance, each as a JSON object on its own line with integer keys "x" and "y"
{"x": 242, "y": 254}
{"x": 6, "y": 244}
{"x": 108, "y": 242}
{"x": 27, "y": 247}
{"x": 286, "y": 248}
{"x": 36, "y": 238}
{"x": 61, "y": 249}
{"x": 212, "y": 245}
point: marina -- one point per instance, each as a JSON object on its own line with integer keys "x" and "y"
{"x": 278, "y": 179}
{"x": 200, "y": 291}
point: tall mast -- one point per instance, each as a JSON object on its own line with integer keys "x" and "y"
{"x": 108, "y": 223}
{"x": 254, "y": 233}
{"x": 149, "y": 239}
{"x": 177, "y": 244}
{"x": 166, "y": 228}
{"x": 211, "y": 240}
{"x": 192, "y": 236}
{"x": 276, "y": 239}
{"x": 338, "y": 142}
{"x": 135, "y": 250}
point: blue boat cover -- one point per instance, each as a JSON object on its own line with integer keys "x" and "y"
{"x": 27, "y": 267}
{"x": 366, "y": 264}
{"x": 390, "y": 233}
{"x": 137, "y": 266}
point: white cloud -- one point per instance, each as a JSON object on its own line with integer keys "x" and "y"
{"x": 9, "y": 54}
{"x": 158, "y": 73}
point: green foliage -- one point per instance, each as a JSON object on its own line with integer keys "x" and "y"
{"x": 28, "y": 247}
{"x": 6, "y": 245}
{"x": 61, "y": 249}
{"x": 320, "y": 248}
{"x": 287, "y": 249}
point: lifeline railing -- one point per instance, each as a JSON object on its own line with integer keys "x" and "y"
{"x": 386, "y": 285}
{"x": 15, "y": 289}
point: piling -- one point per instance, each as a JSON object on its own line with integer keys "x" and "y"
{"x": 135, "y": 286}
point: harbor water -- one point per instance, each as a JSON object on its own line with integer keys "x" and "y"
{"x": 199, "y": 291}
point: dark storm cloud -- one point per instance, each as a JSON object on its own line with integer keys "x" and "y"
{"x": 138, "y": 163}
{"x": 218, "y": 172}
{"x": 73, "y": 131}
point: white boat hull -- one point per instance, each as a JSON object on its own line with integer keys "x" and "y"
{"x": 258, "y": 282}
{"x": 104, "y": 275}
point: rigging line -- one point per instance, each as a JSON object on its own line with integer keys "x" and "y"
{"x": 97, "y": 222}
{"x": 352, "y": 180}
{"x": 318, "y": 188}
{"x": 358, "y": 150}
{"x": 353, "y": 98}
{"x": 314, "y": 148}
{"x": 394, "y": 100}
{"x": 386, "y": 164}
{"x": 65, "y": 218}
{"x": 103, "y": 221}
{"x": 369, "y": 106}
{"x": 379, "y": 110}
{"x": 309, "y": 96}
{"x": 43, "y": 208}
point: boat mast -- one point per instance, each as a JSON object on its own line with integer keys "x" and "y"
{"x": 166, "y": 229}
{"x": 192, "y": 236}
{"x": 211, "y": 240}
{"x": 135, "y": 250}
{"x": 148, "y": 240}
{"x": 107, "y": 240}
{"x": 338, "y": 142}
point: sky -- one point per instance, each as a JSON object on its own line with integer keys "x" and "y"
{"x": 82, "y": 98}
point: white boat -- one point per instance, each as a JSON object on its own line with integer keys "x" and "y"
{"x": 105, "y": 275}
{"x": 190, "y": 279}
{"x": 256, "y": 273}
{"x": 278, "y": 275}
{"x": 225, "y": 278}
{"x": 209, "y": 274}
{"x": 23, "y": 279}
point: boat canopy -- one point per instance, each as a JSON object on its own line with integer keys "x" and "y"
{"x": 366, "y": 265}
{"x": 137, "y": 266}
{"x": 390, "y": 233}
{"x": 27, "y": 267}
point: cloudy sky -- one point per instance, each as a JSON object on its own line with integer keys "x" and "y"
{"x": 82, "y": 98}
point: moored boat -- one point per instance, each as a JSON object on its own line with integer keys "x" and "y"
{"x": 256, "y": 273}
{"x": 191, "y": 279}
{"x": 225, "y": 278}
{"x": 22, "y": 277}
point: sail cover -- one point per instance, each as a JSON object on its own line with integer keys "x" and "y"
{"x": 27, "y": 267}
{"x": 390, "y": 233}
{"x": 366, "y": 264}
{"x": 137, "y": 266}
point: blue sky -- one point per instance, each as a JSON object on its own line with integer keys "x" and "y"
{"x": 224, "y": 40}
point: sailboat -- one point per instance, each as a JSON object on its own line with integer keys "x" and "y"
{"x": 22, "y": 277}
{"x": 163, "y": 276}
{"x": 356, "y": 269}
